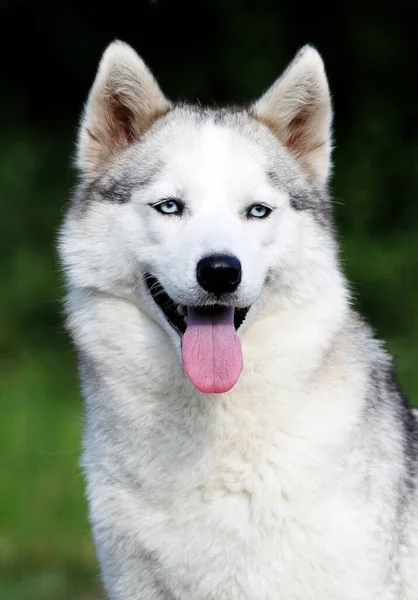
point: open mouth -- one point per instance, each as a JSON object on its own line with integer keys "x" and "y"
{"x": 210, "y": 347}
{"x": 177, "y": 314}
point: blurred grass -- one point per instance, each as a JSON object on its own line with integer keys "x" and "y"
{"x": 45, "y": 546}
{"x": 46, "y": 551}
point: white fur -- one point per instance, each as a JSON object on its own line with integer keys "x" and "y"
{"x": 273, "y": 491}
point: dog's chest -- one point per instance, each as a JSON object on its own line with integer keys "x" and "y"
{"x": 241, "y": 504}
{"x": 256, "y": 521}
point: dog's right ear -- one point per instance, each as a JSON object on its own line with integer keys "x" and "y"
{"x": 123, "y": 103}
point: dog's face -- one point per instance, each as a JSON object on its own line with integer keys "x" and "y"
{"x": 203, "y": 218}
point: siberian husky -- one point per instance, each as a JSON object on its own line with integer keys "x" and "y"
{"x": 245, "y": 437}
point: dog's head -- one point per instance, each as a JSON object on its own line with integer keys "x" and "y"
{"x": 207, "y": 219}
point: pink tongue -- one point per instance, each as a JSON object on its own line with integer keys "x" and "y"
{"x": 211, "y": 350}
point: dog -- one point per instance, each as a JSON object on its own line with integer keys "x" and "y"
{"x": 245, "y": 437}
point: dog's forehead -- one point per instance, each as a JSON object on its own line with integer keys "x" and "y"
{"x": 205, "y": 138}
{"x": 192, "y": 145}
{"x": 217, "y": 155}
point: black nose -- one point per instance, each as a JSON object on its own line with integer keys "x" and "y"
{"x": 219, "y": 273}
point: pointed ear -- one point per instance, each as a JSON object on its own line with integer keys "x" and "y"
{"x": 123, "y": 103}
{"x": 297, "y": 109}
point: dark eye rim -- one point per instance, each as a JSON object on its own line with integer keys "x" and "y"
{"x": 250, "y": 216}
{"x": 156, "y": 206}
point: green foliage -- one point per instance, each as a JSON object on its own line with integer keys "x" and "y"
{"x": 45, "y": 546}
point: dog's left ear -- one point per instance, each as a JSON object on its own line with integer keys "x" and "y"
{"x": 297, "y": 109}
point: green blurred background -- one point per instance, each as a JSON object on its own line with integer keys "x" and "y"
{"x": 219, "y": 51}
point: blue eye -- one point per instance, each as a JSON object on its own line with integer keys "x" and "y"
{"x": 169, "y": 207}
{"x": 258, "y": 211}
